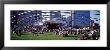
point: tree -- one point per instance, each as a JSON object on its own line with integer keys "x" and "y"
{"x": 96, "y": 26}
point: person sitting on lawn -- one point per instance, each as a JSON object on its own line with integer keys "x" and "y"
{"x": 90, "y": 36}
{"x": 18, "y": 31}
{"x": 60, "y": 32}
{"x": 77, "y": 31}
{"x": 56, "y": 32}
{"x": 34, "y": 30}
{"x": 65, "y": 33}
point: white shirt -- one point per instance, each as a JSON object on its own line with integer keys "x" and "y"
{"x": 92, "y": 32}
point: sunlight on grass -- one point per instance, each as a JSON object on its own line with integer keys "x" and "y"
{"x": 45, "y": 36}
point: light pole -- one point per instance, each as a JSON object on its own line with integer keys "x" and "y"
{"x": 71, "y": 20}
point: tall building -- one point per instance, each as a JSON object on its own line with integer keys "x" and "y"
{"x": 24, "y": 18}
{"x": 45, "y": 15}
{"x": 92, "y": 23}
{"x": 55, "y": 14}
{"x": 81, "y": 18}
{"x": 14, "y": 19}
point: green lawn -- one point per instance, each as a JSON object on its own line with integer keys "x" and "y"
{"x": 45, "y": 36}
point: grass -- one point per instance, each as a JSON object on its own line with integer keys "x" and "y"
{"x": 45, "y": 36}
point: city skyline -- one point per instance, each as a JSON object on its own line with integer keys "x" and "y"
{"x": 36, "y": 17}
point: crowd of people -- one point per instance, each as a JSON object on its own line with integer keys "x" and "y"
{"x": 83, "y": 34}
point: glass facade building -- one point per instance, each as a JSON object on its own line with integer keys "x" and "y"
{"x": 81, "y": 18}
{"x": 68, "y": 18}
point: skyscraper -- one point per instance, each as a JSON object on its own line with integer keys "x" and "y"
{"x": 81, "y": 18}
{"x": 55, "y": 14}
